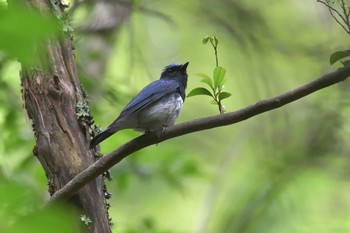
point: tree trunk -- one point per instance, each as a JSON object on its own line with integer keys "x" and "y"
{"x": 55, "y": 102}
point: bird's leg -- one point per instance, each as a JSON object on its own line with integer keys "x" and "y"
{"x": 163, "y": 130}
{"x": 160, "y": 133}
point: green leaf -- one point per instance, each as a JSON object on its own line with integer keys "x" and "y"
{"x": 338, "y": 55}
{"x": 214, "y": 41}
{"x": 213, "y": 102}
{"x": 224, "y": 95}
{"x": 205, "y": 39}
{"x": 199, "y": 91}
{"x": 345, "y": 63}
{"x": 208, "y": 82}
{"x": 219, "y": 76}
{"x": 211, "y": 40}
{"x": 206, "y": 79}
{"x": 21, "y": 29}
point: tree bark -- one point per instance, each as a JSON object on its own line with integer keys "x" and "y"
{"x": 55, "y": 102}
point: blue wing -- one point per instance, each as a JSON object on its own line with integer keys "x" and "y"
{"x": 149, "y": 95}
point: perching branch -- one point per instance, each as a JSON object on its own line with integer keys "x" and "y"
{"x": 145, "y": 140}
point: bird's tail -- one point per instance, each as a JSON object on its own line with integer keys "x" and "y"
{"x": 102, "y": 136}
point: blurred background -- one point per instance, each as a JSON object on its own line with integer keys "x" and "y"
{"x": 283, "y": 171}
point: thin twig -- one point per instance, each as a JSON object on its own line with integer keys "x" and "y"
{"x": 216, "y": 56}
{"x": 344, "y": 18}
{"x": 332, "y": 8}
{"x": 346, "y": 14}
{"x": 146, "y": 140}
{"x": 338, "y": 21}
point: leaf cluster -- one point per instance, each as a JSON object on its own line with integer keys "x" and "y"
{"x": 216, "y": 83}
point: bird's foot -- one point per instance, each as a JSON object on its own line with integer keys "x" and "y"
{"x": 163, "y": 130}
{"x": 160, "y": 134}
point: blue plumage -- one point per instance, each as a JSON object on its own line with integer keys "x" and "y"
{"x": 155, "y": 107}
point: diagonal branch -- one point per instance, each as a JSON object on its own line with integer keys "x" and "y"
{"x": 145, "y": 140}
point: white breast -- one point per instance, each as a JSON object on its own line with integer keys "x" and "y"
{"x": 161, "y": 114}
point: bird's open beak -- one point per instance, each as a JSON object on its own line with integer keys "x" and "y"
{"x": 184, "y": 67}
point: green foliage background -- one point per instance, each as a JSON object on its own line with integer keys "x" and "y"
{"x": 283, "y": 171}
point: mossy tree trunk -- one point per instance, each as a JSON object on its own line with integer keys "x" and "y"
{"x": 55, "y": 102}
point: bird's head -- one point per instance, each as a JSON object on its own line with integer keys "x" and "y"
{"x": 175, "y": 71}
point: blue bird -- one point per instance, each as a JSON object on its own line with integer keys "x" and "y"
{"x": 155, "y": 107}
